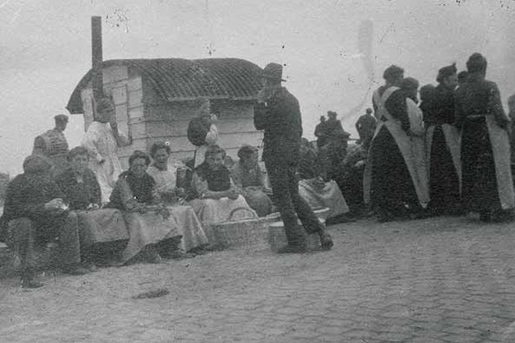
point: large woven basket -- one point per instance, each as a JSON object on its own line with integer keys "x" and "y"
{"x": 249, "y": 233}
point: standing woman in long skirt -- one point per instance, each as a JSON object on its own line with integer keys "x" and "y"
{"x": 487, "y": 185}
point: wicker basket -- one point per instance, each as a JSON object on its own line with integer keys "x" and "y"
{"x": 242, "y": 233}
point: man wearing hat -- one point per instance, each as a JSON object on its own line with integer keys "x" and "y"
{"x": 321, "y": 132}
{"x": 53, "y": 145}
{"x": 278, "y": 114}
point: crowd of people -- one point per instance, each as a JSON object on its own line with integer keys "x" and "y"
{"x": 447, "y": 154}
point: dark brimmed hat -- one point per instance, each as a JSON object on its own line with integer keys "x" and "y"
{"x": 446, "y": 71}
{"x": 61, "y": 118}
{"x": 332, "y": 113}
{"x": 393, "y": 72}
{"x": 273, "y": 71}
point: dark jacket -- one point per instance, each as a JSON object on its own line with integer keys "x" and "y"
{"x": 79, "y": 195}
{"x": 27, "y": 195}
{"x": 479, "y": 97}
{"x": 442, "y": 111}
{"x": 280, "y": 118}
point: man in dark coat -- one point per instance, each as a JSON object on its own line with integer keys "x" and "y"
{"x": 320, "y": 132}
{"x": 53, "y": 144}
{"x": 366, "y": 126}
{"x": 36, "y": 214}
{"x": 278, "y": 114}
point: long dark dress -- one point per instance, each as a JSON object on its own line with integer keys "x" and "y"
{"x": 392, "y": 189}
{"x": 444, "y": 183}
{"x": 479, "y": 111}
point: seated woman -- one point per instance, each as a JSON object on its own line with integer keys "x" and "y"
{"x": 218, "y": 199}
{"x": 164, "y": 174}
{"x": 248, "y": 177}
{"x": 350, "y": 179}
{"x": 315, "y": 190}
{"x": 147, "y": 219}
{"x": 82, "y": 193}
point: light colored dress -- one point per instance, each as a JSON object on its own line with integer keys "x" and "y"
{"x": 214, "y": 211}
{"x": 102, "y": 145}
{"x": 187, "y": 221}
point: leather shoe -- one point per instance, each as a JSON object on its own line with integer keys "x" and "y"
{"x": 326, "y": 241}
{"x": 293, "y": 249}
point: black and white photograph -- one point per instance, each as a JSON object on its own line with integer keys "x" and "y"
{"x": 279, "y": 171}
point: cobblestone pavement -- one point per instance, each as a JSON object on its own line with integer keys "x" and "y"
{"x": 434, "y": 280}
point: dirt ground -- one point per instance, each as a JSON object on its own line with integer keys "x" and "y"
{"x": 434, "y": 280}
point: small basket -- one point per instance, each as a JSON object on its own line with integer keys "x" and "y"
{"x": 242, "y": 233}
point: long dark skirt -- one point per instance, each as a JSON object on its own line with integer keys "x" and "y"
{"x": 392, "y": 188}
{"x": 479, "y": 182}
{"x": 444, "y": 182}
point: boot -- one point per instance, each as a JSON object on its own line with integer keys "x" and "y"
{"x": 326, "y": 241}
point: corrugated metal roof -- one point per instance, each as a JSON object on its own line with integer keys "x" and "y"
{"x": 176, "y": 79}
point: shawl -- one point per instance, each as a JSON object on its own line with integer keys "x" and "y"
{"x": 128, "y": 187}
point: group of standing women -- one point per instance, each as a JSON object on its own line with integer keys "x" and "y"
{"x": 456, "y": 161}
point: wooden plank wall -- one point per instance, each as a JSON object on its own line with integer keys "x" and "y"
{"x": 146, "y": 118}
{"x": 169, "y": 122}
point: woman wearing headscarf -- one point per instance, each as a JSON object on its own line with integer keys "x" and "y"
{"x": 201, "y": 129}
{"x": 487, "y": 185}
{"x": 249, "y": 178}
{"x": 146, "y": 217}
{"x": 164, "y": 174}
{"x": 442, "y": 141}
{"x": 218, "y": 199}
{"x": 391, "y": 182}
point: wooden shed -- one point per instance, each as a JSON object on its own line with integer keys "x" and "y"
{"x": 154, "y": 97}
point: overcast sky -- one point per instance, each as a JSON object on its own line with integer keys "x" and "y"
{"x": 45, "y": 49}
